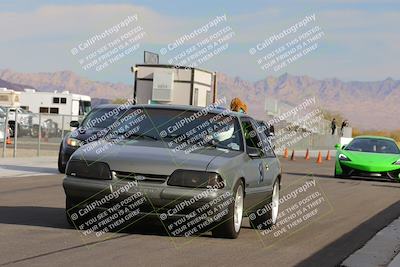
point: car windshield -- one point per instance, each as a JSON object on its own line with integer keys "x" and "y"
{"x": 102, "y": 117}
{"x": 84, "y": 107}
{"x": 373, "y": 146}
{"x": 179, "y": 129}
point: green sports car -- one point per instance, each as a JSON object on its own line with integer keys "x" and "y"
{"x": 371, "y": 156}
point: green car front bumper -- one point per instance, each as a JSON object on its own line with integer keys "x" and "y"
{"x": 350, "y": 168}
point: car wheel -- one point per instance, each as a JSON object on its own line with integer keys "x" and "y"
{"x": 61, "y": 165}
{"x": 68, "y": 206}
{"x": 11, "y": 126}
{"x": 35, "y": 131}
{"x": 232, "y": 222}
{"x": 270, "y": 217}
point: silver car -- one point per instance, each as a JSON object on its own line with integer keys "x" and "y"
{"x": 193, "y": 169}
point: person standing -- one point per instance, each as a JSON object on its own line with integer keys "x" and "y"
{"x": 345, "y": 123}
{"x": 333, "y": 126}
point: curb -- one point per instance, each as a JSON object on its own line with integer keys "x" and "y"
{"x": 381, "y": 250}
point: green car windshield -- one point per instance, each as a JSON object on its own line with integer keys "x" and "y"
{"x": 373, "y": 146}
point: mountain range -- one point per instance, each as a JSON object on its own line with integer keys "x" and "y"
{"x": 367, "y": 105}
{"x": 15, "y": 86}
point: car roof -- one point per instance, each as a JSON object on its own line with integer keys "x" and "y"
{"x": 374, "y": 137}
{"x": 217, "y": 109}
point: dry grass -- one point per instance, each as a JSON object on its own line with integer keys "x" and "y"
{"x": 392, "y": 134}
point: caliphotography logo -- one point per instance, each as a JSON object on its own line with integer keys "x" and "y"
{"x": 222, "y": 133}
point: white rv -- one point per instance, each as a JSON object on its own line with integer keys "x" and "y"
{"x": 51, "y": 105}
{"x": 9, "y": 98}
{"x": 63, "y": 103}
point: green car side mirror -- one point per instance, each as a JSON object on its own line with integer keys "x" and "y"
{"x": 337, "y": 146}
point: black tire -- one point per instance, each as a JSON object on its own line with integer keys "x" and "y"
{"x": 71, "y": 210}
{"x": 35, "y": 131}
{"x": 11, "y": 126}
{"x": 68, "y": 206}
{"x": 265, "y": 221}
{"x": 61, "y": 166}
{"x": 226, "y": 229}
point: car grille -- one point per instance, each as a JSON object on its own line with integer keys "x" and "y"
{"x": 141, "y": 177}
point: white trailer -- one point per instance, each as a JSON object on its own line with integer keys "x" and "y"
{"x": 54, "y": 107}
{"x": 63, "y": 103}
{"x": 169, "y": 84}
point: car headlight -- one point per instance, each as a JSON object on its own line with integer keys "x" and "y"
{"x": 200, "y": 179}
{"x": 397, "y": 162}
{"x": 83, "y": 169}
{"x": 73, "y": 142}
{"x": 343, "y": 157}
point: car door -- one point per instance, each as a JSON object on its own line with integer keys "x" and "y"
{"x": 271, "y": 162}
{"x": 255, "y": 168}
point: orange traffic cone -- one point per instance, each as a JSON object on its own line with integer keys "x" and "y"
{"x": 8, "y": 137}
{"x": 292, "y": 157}
{"x": 307, "y": 157}
{"x": 286, "y": 153}
{"x": 319, "y": 159}
{"x": 328, "y": 155}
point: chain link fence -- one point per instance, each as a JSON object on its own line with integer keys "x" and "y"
{"x": 26, "y": 134}
{"x": 299, "y": 130}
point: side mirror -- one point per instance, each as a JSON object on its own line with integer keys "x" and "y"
{"x": 337, "y": 146}
{"x": 254, "y": 152}
{"x": 74, "y": 123}
{"x": 272, "y": 129}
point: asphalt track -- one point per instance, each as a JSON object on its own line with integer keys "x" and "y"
{"x": 34, "y": 232}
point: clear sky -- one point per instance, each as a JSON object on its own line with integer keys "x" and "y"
{"x": 361, "y": 38}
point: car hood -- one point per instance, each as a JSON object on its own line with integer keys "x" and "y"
{"x": 147, "y": 157}
{"x": 371, "y": 158}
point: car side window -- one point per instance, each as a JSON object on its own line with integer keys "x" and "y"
{"x": 266, "y": 144}
{"x": 250, "y": 135}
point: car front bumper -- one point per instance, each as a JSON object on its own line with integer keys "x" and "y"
{"x": 173, "y": 201}
{"x": 349, "y": 168}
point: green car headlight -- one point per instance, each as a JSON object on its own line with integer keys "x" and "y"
{"x": 73, "y": 142}
{"x": 397, "y": 162}
{"x": 343, "y": 157}
{"x": 200, "y": 179}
